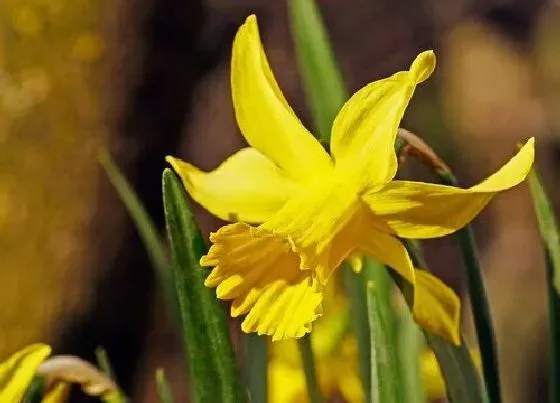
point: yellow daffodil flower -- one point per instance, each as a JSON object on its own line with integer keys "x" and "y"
{"x": 18, "y": 371}
{"x": 314, "y": 210}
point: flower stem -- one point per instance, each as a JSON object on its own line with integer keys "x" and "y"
{"x": 479, "y": 302}
{"x": 306, "y": 352}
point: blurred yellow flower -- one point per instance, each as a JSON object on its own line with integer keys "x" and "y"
{"x": 59, "y": 372}
{"x": 316, "y": 209}
{"x": 18, "y": 371}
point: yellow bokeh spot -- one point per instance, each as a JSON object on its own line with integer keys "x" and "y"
{"x": 26, "y": 21}
{"x": 88, "y": 47}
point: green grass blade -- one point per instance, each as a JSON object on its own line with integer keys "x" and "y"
{"x": 34, "y": 393}
{"x": 385, "y": 381}
{"x": 322, "y": 80}
{"x": 308, "y": 362}
{"x": 547, "y": 224}
{"x": 256, "y": 363}
{"x": 212, "y": 365}
{"x": 461, "y": 378}
{"x": 148, "y": 232}
{"x": 411, "y": 345}
{"x": 164, "y": 390}
{"x": 549, "y": 232}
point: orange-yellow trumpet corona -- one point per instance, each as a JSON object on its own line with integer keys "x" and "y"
{"x": 300, "y": 211}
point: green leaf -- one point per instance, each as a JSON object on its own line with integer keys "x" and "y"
{"x": 411, "y": 345}
{"x": 549, "y": 232}
{"x": 105, "y": 365}
{"x": 256, "y": 363}
{"x": 355, "y": 290}
{"x": 164, "y": 390}
{"x": 211, "y": 361}
{"x": 385, "y": 382}
{"x": 34, "y": 393}
{"x": 461, "y": 378}
{"x": 547, "y": 224}
{"x": 148, "y": 232}
{"x": 319, "y": 69}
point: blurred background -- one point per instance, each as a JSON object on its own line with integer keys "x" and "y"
{"x": 146, "y": 78}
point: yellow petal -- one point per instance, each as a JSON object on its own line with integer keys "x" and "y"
{"x": 323, "y": 224}
{"x": 391, "y": 252}
{"x": 263, "y": 115}
{"x": 18, "y": 371}
{"x": 246, "y": 187}
{"x": 261, "y": 274}
{"x": 434, "y": 306}
{"x": 422, "y": 210}
{"x": 364, "y": 132}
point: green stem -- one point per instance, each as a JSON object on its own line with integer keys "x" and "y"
{"x": 309, "y": 369}
{"x": 479, "y": 303}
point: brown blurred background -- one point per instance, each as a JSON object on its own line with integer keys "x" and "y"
{"x": 146, "y": 78}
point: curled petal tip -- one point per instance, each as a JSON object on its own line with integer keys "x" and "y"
{"x": 423, "y": 66}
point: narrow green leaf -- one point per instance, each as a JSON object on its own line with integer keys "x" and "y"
{"x": 164, "y": 390}
{"x": 105, "y": 365}
{"x": 385, "y": 383}
{"x": 411, "y": 345}
{"x": 103, "y": 361}
{"x": 548, "y": 225}
{"x": 256, "y": 362}
{"x": 148, "y": 232}
{"x": 34, "y": 393}
{"x": 212, "y": 366}
{"x": 549, "y": 232}
{"x": 308, "y": 361}
{"x": 459, "y": 373}
{"x": 320, "y": 73}
{"x": 355, "y": 290}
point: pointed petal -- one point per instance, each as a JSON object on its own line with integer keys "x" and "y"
{"x": 263, "y": 115}
{"x": 364, "y": 132}
{"x": 245, "y": 187}
{"x": 323, "y": 225}
{"x": 18, "y": 371}
{"x": 434, "y": 305}
{"x": 261, "y": 275}
{"x": 421, "y": 210}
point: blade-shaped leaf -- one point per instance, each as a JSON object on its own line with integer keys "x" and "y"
{"x": 256, "y": 362}
{"x": 385, "y": 382}
{"x": 213, "y": 370}
{"x": 549, "y": 232}
{"x": 547, "y": 225}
